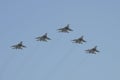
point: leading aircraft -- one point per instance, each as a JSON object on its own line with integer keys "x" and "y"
{"x": 19, "y": 46}
{"x": 92, "y": 50}
{"x": 65, "y": 29}
{"x": 79, "y": 40}
{"x": 43, "y": 38}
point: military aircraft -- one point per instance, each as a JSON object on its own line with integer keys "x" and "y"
{"x": 79, "y": 40}
{"x": 19, "y": 46}
{"x": 43, "y": 38}
{"x": 92, "y": 50}
{"x": 65, "y": 29}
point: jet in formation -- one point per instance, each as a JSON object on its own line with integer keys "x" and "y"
{"x": 65, "y": 29}
{"x": 92, "y": 50}
{"x": 79, "y": 40}
{"x": 19, "y": 46}
{"x": 43, "y": 38}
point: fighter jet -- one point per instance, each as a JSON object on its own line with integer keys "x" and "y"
{"x": 19, "y": 46}
{"x": 43, "y": 38}
{"x": 92, "y": 50}
{"x": 65, "y": 29}
{"x": 79, "y": 40}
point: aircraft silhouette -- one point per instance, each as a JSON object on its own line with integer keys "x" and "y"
{"x": 19, "y": 46}
{"x": 65, "y": 29}
{"x": 92, "y": 50}
{"x": 43, "y": 38}
{"x": 79, "y": 40}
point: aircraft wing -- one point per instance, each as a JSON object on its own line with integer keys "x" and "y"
{"x": 83, "y": 40}
{"x": 97, "y": 51}
{"x": 48, "y": 38}
{"x": 24, "y": 46}
{"x": 70, "y": 29}
{"x": 38, "y": 37}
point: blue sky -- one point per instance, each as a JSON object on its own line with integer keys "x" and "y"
{"x": 59, "y": 59}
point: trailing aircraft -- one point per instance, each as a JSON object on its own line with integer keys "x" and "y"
{"x": 79, "y": 40}
{"x": 92, "y": 50}
{"x": 19, "y": 46}
{"x": 65, "y": 29}
{"x": 43, "y": 38}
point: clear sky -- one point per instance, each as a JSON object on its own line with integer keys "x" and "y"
{"x": 59, "y": 58}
